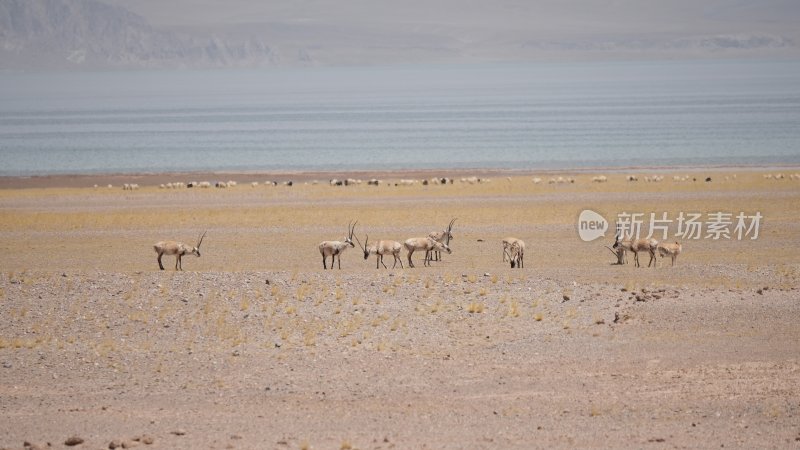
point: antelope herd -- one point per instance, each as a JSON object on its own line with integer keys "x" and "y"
{"x": 624, "y": 244}
{"x": 437, "y": 241}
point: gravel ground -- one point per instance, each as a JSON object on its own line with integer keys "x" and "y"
{"x": 255, "y": 346}
{"x": 225, "y": 360}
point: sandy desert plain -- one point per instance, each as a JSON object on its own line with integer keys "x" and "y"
{"x": 255, "y": 346}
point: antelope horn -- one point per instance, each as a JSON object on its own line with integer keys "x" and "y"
{"x": 201, "y": 239}
{"x": 353, "y": 229}
{"x": 618, "y": 233}
{"x": 450, "y": 227}
{"x": 363, "y": 247}
{"x": 611, "y": 250}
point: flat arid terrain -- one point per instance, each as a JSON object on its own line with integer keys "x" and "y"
{"x": 255, "y": 346}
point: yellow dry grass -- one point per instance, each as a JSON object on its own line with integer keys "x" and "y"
{"x": 279, "y": 228}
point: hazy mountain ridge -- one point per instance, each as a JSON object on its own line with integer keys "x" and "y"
{"x": 88, "y": 34}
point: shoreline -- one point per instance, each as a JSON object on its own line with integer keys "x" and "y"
{"x": 155, "y": 179}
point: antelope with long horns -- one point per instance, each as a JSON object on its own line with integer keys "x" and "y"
{"x": 441, "y": 236}
{"x": 516, "y": 254}
{"x": 179, "y": 249}
{"x": 620, "y": 246}
{"x": 619, "y": 249}
{"x": 380, "y": 249}
{"x": 507, "y": 243}
{"x": 335, "y": 248}
{"x": 424, "y": 243}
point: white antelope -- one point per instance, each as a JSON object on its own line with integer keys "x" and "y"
{"x": 179, "y": 249}
{"x": 507, "y": 243}
{"x": 637, "y": 245}
{"x": 516, "y": 254}
{"x": 441, "y": 236}
{"x": 335, "y": 248}
{"x": 380, "y": 249}
{"x": 671, "y": 249}
{"x": 424, "y": 243}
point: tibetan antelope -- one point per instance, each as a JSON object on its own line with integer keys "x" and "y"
{"x": 424, "y": 243}
{"x": 516, "y": 254}
{"x": 671, "y": 249}
{"x": 620, "y": 247}
{"x": 335, "y": 248}
{"x": 380, "y": 249}
{"x": 441, "y": 236}
{"x": 619, "y": 252}
{"x": 637, "y": 245}
{"x": 507, "y": 243}
{"x": 179, "y": 249}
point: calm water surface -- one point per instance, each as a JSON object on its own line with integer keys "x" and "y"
{"x": 549, "y": 115}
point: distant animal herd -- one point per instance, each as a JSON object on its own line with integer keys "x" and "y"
{"x": 555, "y": 180}
{"x": 432, "y": 244}
{"x": 439, "y": 241}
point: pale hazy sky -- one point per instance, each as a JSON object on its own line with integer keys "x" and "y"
{"x": 540, "y": 17}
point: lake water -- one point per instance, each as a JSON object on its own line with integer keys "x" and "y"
{"x": 547, "y": 115}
